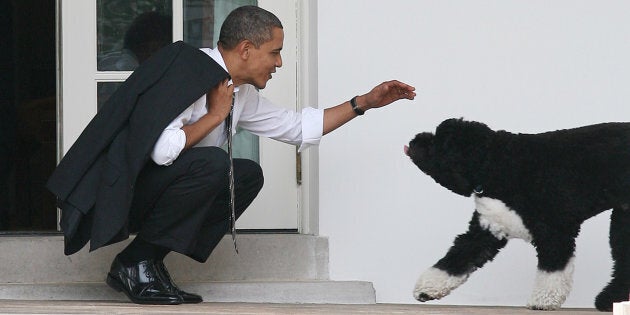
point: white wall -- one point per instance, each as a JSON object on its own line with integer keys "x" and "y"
{"x": 523, "y": 66}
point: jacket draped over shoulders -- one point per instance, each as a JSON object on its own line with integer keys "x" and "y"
{"x": 94, "y": 181}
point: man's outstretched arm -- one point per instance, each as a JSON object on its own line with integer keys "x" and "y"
{"x": 381, "y": 95}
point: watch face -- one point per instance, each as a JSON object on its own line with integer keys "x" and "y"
{"x": 355, "y": 108}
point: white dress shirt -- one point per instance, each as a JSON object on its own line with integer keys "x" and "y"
{"x": 252, "y": 112}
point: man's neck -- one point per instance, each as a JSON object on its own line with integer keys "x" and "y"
{"x": 229, "y": 59}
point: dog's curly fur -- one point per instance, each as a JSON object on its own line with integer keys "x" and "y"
{"x": 538, "y": 187}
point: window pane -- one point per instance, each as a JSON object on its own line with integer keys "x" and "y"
{"x": 129, "y": 31}
{"x": 203, "y": 19}
{"x": 245, "y": 145}
{"x": 202, "y": 25}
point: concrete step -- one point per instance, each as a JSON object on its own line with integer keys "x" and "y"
{"x": 270, "y": 268}
{"x": 277, "y": 257}
{"x": 333, "y": 292}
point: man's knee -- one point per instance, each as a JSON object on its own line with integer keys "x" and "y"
{"x": 207, "y": 161}
{"x": 249, "y": 172}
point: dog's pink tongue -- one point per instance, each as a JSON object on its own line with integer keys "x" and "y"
{"x": 406, "y": 149}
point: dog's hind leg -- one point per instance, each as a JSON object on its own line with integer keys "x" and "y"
{"x": 617, "y": 288}
{"x": 469, "y": 252}
{"x": 555, "y": 268}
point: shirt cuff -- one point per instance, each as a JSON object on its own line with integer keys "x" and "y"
{"x": 312, "y": 127}
{"x": 168, "y": 147}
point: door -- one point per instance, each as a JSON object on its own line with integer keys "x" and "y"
{"x": 95, "y": 59}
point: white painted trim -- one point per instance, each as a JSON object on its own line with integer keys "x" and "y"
{"x": 77, "y": 16}
{"x": 307, "y": 96}
{"x": 112, "y": 76}
{"x": 59, "y": 88}
{"x": 178, "y": 20}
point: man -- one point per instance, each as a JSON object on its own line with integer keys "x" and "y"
{"x": 179, "y": 198}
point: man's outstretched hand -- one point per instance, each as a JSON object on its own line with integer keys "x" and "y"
{"x": 385, "y": 94}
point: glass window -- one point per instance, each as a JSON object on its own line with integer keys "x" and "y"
{"x": 203, "y": 19}
{"x": 128, "y": 32}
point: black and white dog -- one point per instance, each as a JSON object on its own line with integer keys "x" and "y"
{"x": 537, "y": 187}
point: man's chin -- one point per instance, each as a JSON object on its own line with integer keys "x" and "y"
{"x": 261, "y": 86}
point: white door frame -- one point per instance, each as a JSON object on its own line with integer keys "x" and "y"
{"x": 307, "y": 78}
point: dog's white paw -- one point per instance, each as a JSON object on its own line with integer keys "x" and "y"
{"x": 548, "y": 307}
{"x": 551, "y": 288}
{"x": 435, "y": 284}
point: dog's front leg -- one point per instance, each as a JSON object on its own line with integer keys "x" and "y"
{"x": 470, "y": 251}
{"x": 555, "y": 269}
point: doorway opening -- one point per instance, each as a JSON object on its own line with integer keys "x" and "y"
{"x": 28, "y": 107}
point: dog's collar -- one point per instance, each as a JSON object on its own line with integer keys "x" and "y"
{"x": 478, "y": 190}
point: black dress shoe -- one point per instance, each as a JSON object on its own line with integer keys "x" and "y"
{"x": 141, "y": 282}
{"x": 168, "y": 282}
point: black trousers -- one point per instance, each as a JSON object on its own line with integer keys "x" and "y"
{"x": 185, "y": 206}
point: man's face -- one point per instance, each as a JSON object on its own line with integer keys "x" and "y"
{"x": 264, "y": 60}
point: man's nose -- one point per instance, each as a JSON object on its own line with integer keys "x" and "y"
{"x": 279, "y": 61}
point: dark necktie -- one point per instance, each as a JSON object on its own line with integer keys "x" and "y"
{"x": 228, "y": 123}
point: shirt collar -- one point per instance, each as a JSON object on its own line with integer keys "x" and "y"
{"x": 215, "y": 54}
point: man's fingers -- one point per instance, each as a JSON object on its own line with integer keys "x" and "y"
{"x": 404, "y": 90}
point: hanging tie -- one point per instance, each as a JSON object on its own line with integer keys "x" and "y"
{"x": 228, "y": 123}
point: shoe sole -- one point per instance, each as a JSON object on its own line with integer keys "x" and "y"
{"x": 119, "y": 287}
{"x": 195, "y": 301}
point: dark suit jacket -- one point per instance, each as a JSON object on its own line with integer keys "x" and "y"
{"x": 94, "y": 182}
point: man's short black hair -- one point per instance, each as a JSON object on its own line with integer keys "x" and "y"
{"x": 248, "y": 23}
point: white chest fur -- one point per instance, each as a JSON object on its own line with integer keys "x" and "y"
{"x": 500, "y": 220}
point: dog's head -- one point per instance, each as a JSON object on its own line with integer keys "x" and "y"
{"x": 453, "y": 155}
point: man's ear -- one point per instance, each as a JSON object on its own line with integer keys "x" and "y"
{"x": 243, "y": 49}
